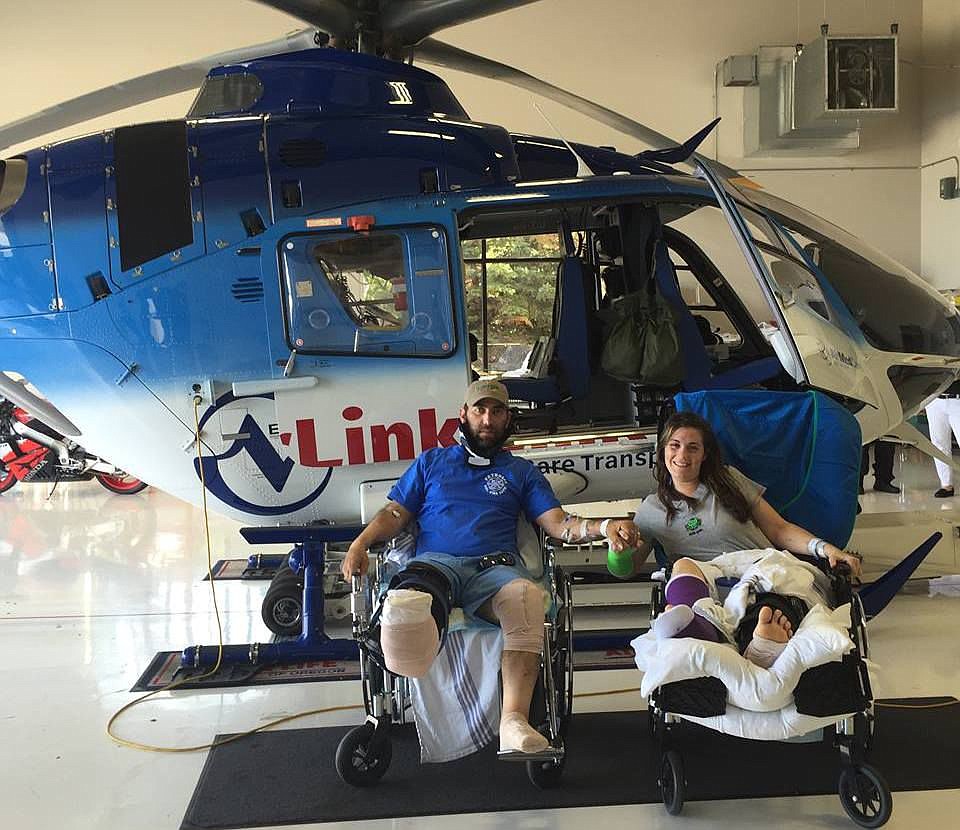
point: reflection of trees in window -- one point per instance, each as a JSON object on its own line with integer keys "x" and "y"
{"x": 518, "y": 274}
{"x": 367, "y": 275}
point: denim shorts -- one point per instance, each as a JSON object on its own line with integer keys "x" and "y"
{"x": 472, "y": 587}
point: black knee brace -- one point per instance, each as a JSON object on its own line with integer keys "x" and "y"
{"x": 421, "y": 576}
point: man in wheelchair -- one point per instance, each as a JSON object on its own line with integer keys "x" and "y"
{"x": 466, "y": 500}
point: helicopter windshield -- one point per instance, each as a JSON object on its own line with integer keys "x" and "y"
{"x": 894, "y": 308}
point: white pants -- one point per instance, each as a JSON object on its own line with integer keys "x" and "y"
{"x": 943, "y": 415}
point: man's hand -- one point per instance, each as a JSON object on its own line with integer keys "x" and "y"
{"x": 622, "y": 534}
{"x": 356, "y": 561}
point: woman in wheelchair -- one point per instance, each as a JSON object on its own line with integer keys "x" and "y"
{"x": 703, "y": 507}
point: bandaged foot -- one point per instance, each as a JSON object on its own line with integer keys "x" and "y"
{"x": 408, "y": 632}
{"x": 516, "y": 735}
{"x": 770, "y": 638}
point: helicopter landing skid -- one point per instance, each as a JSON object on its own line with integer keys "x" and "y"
{"x": 310, "y": 545}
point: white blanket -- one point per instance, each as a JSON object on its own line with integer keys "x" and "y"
{"x": 456, "y": 705}
{"x": 821, "y": 638}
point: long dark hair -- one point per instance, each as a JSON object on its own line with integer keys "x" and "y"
{"x": 713, "y": 472}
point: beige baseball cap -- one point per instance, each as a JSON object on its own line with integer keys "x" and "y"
{"x": 480, "y": 389}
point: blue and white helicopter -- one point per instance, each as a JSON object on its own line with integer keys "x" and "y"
{"x": 297, "y": 270}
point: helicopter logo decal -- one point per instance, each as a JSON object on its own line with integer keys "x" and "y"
{"x": 278, "y": 470}
{"x": 260, "y": 450}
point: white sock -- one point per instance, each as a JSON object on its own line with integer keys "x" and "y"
{"x": 672, "y": 622}
{"x": 762, "y": 652}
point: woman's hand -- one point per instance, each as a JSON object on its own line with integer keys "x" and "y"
{"x": 836, "y": 556}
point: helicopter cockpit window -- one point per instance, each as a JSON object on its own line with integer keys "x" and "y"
{"x": 376, "y": 293}
{"x": 223, "y": 94}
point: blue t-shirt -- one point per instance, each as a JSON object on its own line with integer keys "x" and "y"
{"x": 466, "y": 510}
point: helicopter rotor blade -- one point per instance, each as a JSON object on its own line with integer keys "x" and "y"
{"x": 141, "y": 89}
{"x": 401, "y": 23}
{"x": 441, "y": 54}
{"x": 410, "y": 21}
{"x": 338, "y": 18}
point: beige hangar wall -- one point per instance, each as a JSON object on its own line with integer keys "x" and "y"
{"x": 651, "y": 60}
{"x": 940, "y": 219}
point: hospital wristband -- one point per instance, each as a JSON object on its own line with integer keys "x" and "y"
{"x": 603, "y": 527}
{"x": 815, "y": 547}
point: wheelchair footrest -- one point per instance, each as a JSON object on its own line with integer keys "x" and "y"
{"x": 551, "y": 753}
{"x": 831, "y": 689}
{"x": 701, "y": 697}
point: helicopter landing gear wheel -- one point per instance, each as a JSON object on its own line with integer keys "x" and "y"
{"x": 122, "y": 484}
{"x": 865, "y": 795}
{"x": 361, "y": 760}
{"x": 672, "y": 782}
{"x": 7, "y": 478}
{"x": 282, "y": 609}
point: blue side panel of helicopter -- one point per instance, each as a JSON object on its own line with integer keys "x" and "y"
{"x": 79, "y": 217}
{"x": 233, "y": 180}
{"x": 26, "y": 253}
{"x": 26, "y": 222}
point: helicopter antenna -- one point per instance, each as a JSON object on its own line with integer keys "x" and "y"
{"x": 583, "y": 169}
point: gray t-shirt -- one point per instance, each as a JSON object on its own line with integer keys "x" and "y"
{"x": 706, "y": 530}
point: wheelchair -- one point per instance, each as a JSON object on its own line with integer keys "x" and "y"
{"x": 833, "y": 688}
{"x": 364, "y": 754}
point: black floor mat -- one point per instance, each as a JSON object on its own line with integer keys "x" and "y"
{"x": 288, "y": 777}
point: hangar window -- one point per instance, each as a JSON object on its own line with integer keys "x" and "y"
{"x": 377, "y": 293}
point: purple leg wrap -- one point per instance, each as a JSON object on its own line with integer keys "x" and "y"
{"x": 685, "y": 589}
{"x": 700, "y": 629}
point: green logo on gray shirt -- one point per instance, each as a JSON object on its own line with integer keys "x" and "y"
{"x": 693, "y": 525}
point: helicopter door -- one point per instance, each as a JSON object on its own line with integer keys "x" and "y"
{"x": 808, "y": 333}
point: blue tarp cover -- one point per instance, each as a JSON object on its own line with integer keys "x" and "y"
{"x": 803, "y": 447}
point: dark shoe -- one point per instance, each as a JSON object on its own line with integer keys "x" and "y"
{"x": 886, "y": 488}
{"x": 944, "y": 493}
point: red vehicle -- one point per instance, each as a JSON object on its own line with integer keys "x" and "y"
{"x": 31, "y": 452}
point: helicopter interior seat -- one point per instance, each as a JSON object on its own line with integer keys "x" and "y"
{"x": 568, "y": 376}
{"x": 698, "y": 368}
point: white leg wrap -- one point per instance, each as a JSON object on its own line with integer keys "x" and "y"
{"x": 408, "y": 632}
{"x": 519, "y": 606}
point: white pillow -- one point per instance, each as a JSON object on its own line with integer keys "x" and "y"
{"x": 822, "y": 637}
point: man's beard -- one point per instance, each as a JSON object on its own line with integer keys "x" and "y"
{"x": 488, "y": 445}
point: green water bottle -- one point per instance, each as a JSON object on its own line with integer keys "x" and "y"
{"x": 620, "y": 562}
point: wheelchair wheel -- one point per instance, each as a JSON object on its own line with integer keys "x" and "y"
{"x": 545, "y": 775}
{"x": 672, "y": 782}
{"x": 865, "y": 795}
{"x": 359, "y": 761}
{"x": 282, "y": 609}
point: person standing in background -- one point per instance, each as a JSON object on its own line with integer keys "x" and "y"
{"x": 943, "y": 416}
{"x": 882, "y": 466}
